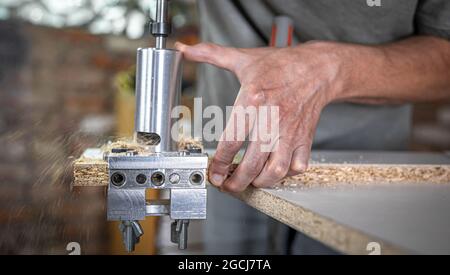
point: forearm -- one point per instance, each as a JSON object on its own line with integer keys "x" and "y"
{"x": 413, "y": 70}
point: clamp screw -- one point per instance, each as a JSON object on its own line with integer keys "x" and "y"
{"x": 174, "y": 178}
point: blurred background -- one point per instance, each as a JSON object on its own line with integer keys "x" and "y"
{"x": 66, "y": 84}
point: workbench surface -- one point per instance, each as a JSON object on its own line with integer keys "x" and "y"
{"x": 401, "y": 217}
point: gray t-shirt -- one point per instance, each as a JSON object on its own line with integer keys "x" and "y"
{"x": 247, "y": 23}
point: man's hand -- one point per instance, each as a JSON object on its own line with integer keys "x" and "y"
{"x": 302, "y": 80}
{"x": 299, "y": 80}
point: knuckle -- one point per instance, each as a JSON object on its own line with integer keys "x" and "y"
{"x": 256, "y": 97}
{"x": 298, "y": 166}
{"x": 277, "y": 171}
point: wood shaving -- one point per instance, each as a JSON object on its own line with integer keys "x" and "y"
{"x": 187, "y": 142}
{"x": 127, "y": 143}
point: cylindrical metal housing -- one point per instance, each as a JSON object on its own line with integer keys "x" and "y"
{"x": 158, "y": 86}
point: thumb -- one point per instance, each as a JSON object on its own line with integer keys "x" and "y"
{"x": 223, "y": 57}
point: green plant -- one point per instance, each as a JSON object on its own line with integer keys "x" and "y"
{"x": 126, "y": 80}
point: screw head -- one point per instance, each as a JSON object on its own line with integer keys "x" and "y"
{"x": 174, "y": 178}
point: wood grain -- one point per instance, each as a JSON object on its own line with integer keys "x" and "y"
{"x": 90, "y": 172}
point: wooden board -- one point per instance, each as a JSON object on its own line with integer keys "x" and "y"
{"x": 333, "y": 202}
{"x": 325, "y": 168}
{"x": 90, "y": 172}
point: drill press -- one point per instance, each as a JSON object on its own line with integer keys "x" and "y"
{"x": 161, "y": 165}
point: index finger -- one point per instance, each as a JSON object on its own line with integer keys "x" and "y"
{"x": 238, "y": 126}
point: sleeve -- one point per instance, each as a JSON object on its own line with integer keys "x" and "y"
{"x": 433, "y": 18}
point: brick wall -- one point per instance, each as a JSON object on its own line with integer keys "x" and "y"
{"x": 50, "y": 81}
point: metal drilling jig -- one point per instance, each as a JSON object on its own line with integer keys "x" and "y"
{"x": 162, "y": 165}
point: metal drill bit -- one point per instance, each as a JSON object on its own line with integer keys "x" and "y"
{"x": 179, "y": 233}
{"x": 131, "y": 233}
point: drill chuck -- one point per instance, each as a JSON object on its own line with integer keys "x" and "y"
{"x": 161, "y": 27}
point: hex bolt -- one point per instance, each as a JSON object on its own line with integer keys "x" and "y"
{"x": 174, "y": 178}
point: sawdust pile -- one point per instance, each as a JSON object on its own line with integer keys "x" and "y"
{"x": 357, "y": 174}
{"x": 136, "y": 143}
{"x": 186, "y": 143}
{"x": 126, "y": 143}
{"x": 329, "y": 174}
